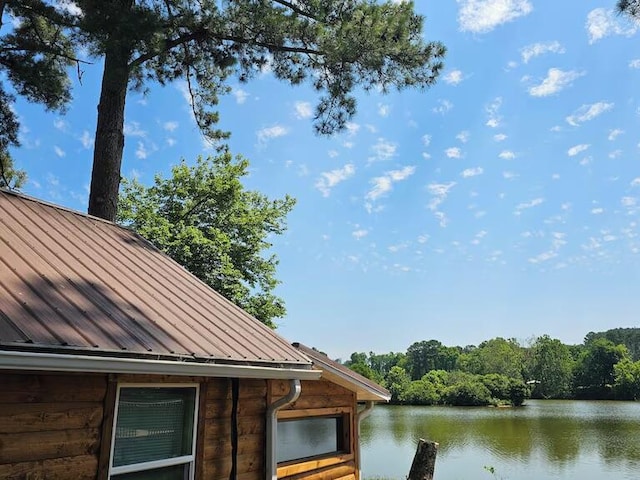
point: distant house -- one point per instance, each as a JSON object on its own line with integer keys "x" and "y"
{"x": 115, "y": 362}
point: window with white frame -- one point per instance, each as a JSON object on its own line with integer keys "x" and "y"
{"x": 154, "y": 432}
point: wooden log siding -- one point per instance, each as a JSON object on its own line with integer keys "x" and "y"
{"x": 325, "y": 398}
{"x": 50, "y": 425}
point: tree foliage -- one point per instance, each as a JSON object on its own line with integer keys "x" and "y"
{"x": 203, "y": 218}
{"x": 551, "y": 368}
{"x": 34, "y": 57}
{"x": 629, "y": 7}
{"x": 335, "y": 45}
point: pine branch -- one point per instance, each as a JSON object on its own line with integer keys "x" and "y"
{"x": 297, "y": 10}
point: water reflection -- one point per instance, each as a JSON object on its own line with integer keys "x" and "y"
{"x": 544, "y": 440}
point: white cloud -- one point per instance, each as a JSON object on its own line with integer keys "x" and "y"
{"x": 597, "y": 211}
{"x": 352, "y": 128}
{"x": 68, "y": 6}
{"x": 499, "y": 137}
{"x": 635, "y": 63}
{"x": 454, "y": 77}
{"x": 443, "y": 107}
{"x": 453, "y": 152}
{"x": 360, "y": 233}
{"x": 303, "y": 110}
{"x": 507, "y": 155}
{"x": 87, "y": 140}
{"x": 540, "y": 48}
{"x": 471, "y": 172}
{"x": 555, "y": 81}
{"x": 635, "y": 182}
{"x": 330, "y": 179}
{"x": 170, "y": 126}
{"x": 60, "y": 124}
{"x": 602, "y": 23}
{"x": 59, "y": 152}
{"x": 383, "y": 109}
{"x": 384, "y": 184}
{"x": 492, "y": 111}
{"x": 526, "y": 205}
{"x": 463, "y": 136}
{"x": 482, "y": 16}
{"x": 426, "y": 140}
{"x": 267, "y": 133}
{"x": 509, "y": 175}
{"x": 613, "y": 134}
{"x": 133, "y": 129}
{"x": 141, "y": 151}
{"x": 576, "y": 149}
{"x": 615, "y": 153}
{"x": 439, "y": 191}
{"x": 588, "y": 112}
{"x": 383, "y": 150}
{"x": 240, "y": 94}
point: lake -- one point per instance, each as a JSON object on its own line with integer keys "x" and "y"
{"x": 544, "y": 440}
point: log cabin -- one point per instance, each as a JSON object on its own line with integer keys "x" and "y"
{"x": 117, "y": 363}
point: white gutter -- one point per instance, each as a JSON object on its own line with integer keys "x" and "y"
{"x": 362, "y": 414}
{"x": 56, "y": 362}
{"x": 272, "y": 427}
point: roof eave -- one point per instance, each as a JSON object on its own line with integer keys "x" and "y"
{"x": 56, "y": 362}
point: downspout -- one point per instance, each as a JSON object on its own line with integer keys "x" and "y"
{"x": 362, "y": 414}
{"x": 272, "y": 427}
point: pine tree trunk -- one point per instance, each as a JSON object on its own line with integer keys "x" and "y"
{"x": 109, "y": 142}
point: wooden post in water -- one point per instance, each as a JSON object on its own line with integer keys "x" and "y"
{"x": 424, "y": 461}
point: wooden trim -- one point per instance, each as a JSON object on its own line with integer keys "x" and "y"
{"x": 202, "y": 410}
{"x": 309, "y": 465}
{"x": 104, "y": 453}
{"x": 313, "y": 412}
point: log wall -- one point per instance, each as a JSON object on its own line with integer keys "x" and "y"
{"x": 321, "y": 398}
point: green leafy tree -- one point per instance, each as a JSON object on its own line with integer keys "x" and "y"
{"x": 10, "y": 177}
{"x": 469, "y": 393}
{"x": 203, "y": 218}
{"x": 594, "y": 375}
{"x": 494, "y": 356}
{"x": 397, "y": 382}
{"x": 627, "y": 379}
{"x": 420, "y": 392}
{"x": 551, "y": 368}
{"x": 629, "y": 337}
{"x": 337, "y": 46}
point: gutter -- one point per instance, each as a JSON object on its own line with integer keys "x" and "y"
{"x": 362, "y": 414}
{"x": 56, "y": 362}
{"x": 271, "y": 469}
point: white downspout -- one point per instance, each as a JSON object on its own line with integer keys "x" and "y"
{"x": 272, "y": 427}
{"x": 362, "y": 414}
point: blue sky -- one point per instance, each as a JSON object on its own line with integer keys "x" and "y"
{"x": 504, "y": 201}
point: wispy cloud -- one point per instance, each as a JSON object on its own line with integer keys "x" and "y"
{"x": 383, "y": 150}
{"x": 588, "y": 112}
{"x": 87, "y": 140}
{"x": 482, "y": 16}
{"x": 471, "y": 172}
{"x": 540, "y": 48}
{"x": 359, "y": 233}
{"x": 384, "y": 184}
{"x": 527, "y": 205}
{"x": 602, "y": 23}
{"x": 463, "y": 136}
{"x": 499, "y": 137}
{"x": 454, "y": 77}
{"x": 439, "y": 193}
{"x": 268, "y": 133}
{"x": 635, "y": 63}
{"x": 59, "y": 152}
{"x": 507, "y": 155}
{"x": 383, "y": 109}
{"x": 613, "y": 134}
{"x": 577, "y": 149}
{"x": 453, "y": 152}
{"x": 443, "y": 107}
{"x": 240, "y": 94}
{"x": 303, "y": 110}
{"x": 493, "y": 113}
{"x": 133, "y": 129}
{"x": 555, "y": 81}
{"x": 330, "y": 179}
{"x": 170, "y": 126}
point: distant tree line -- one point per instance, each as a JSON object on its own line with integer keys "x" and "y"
{"x": 502, "y": 371}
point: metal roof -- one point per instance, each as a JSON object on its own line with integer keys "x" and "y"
{"x": 71, "y": 283}
{"x": 366, "y": 390}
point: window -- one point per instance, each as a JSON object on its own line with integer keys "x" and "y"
{"x": 154, "y": 433}
{"x": 301, "y": 438}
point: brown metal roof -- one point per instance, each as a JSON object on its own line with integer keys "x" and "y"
{"x": 336, "y": 372}
{"x": 70, "y": 282}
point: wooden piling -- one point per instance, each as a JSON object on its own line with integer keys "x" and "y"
{"x": 424, "y": 461}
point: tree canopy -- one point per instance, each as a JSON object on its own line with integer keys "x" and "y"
{"x": 205, "y": 219}
{"x": 335, "y": 45}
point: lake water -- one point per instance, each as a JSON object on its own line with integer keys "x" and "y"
{"x": 544, "y": 440}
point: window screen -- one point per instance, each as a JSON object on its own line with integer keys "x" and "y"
{"x": 309, "y": 437}
{"x": 154, "y": 424}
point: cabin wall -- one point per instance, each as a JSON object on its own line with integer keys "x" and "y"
{"x": 50, "y": 425}
{"x": 56, "y": 425}
{"x": 320, "y": 398}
